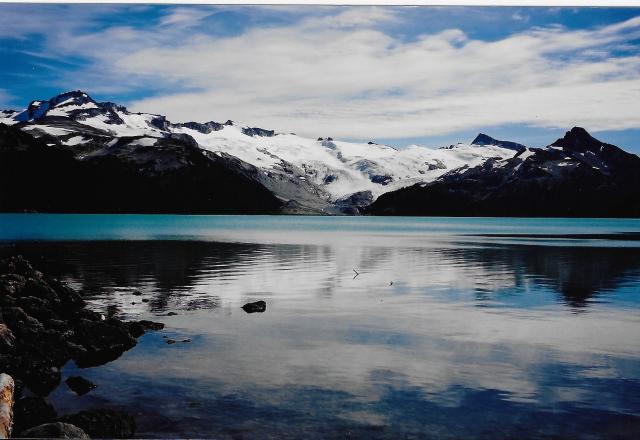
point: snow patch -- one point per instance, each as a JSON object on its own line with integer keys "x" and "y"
{"x": 75, "y": 140}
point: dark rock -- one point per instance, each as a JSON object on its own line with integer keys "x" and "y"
{"x": 68, "y": 296}
{"x": 205, "y": 128}
{"x": 7, "y": 340}
{"x": 170, "y": 314}
{"x": 151, "y": 325}
{"x": 10, "y": 284}
{"x": 40, "y": 289}
{"x": 54, "y": 430}
{"x": 139, "y": 328}
{"x": 173, "y": 341}
{"x": 136, "y": 293}
{"x": 255, "y": 307}
{"x": 135, "y": 329}
{"x": 145, "y": 300}
{"x": 87, "y": 314}
{"x": 37, "y": 307}
{"x": 43, "y": 324}
{"x": 255, "y": 131}
{"x": 382, "y": 179}
{"x": 103, "y": 423}
{"x": 80, "y": 385}
{"x": 17, "y": 265}
{"x": 104, "y": 341}
{"x": 32, "y": 411}
{"x": 17, "y": 319}
{"x": 57, "y": 324}
{"x": 41, "y": 376}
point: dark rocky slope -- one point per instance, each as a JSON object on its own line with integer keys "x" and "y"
{"x": 173, "y": 176}
{"x": 576, "y": 176}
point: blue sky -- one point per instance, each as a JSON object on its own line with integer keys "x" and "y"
{"x": 396, "y": 75}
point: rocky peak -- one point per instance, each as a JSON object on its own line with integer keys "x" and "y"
{"x": 578, "y": 139}
{"x": 38, "y": 109}
{"x": 112, "y": 106}
{"x": 204, "y": 128}
{"x": 484, "y": 139}
{"x": 76, "y": 97}
{"x": 255, "y": 131}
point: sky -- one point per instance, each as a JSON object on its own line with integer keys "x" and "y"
{"x": 396, "y": 75}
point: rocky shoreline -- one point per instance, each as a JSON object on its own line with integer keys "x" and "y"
{"x": 44, "y": 324}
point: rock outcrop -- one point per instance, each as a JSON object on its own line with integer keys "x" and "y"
{"x": 43, "y": 325}
{"x": 54, "y": 430}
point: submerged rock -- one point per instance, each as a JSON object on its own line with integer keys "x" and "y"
{"x": 173, "y": 341}
{"x": 103, "y": 423}
{"x": 255, "y": 307}
{"x": 54, "y": 430}
{"x": 80, "y": 385}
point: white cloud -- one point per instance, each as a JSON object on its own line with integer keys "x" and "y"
{"x": 185, "y": 17}
{"x": 341, "y": 74}
{"x": 361, "y": 83}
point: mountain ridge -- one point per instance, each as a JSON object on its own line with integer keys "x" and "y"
{"x": 320, "y": 174}
{"x": 575, "y": 176}
{"x": 327, "y": 176}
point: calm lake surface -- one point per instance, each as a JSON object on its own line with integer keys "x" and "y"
{"x": 455, "y": 328}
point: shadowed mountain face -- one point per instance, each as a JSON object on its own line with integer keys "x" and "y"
{"x": 483, "y": 139}
{"x": 576, "y": 176}
{"x": 172, "y": 176}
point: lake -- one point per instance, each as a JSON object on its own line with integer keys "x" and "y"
{"x": 487, "y": 328}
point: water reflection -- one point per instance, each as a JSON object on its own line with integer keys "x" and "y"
{"x": 578, "y": 273}
{"x": 445, "y": 339}
{"x": 191, "y": 274}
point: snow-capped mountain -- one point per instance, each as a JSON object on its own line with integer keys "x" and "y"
{"x": 317, "y": 174}
{"x": 576, "y": 176}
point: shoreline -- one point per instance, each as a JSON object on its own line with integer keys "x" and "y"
{"x": 44, "y": 324}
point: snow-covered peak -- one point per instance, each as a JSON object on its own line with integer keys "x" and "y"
{"x": 60, "y": 105}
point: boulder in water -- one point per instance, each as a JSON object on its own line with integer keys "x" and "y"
{"x": 255, "y": 307}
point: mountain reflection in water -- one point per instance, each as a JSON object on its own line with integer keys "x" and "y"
{"x": 453, "y": 338}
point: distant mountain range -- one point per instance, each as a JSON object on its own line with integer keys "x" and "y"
{"x": 73, "y": 154}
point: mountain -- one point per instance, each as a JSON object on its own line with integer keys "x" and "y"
{"x": 307, "y": 175}
{"x": 171, "y": 176}
{"x": 576, "y": 176}
{"x": 484, "y": 139}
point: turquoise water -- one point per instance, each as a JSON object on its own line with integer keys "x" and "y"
{"x": 454, "y": 328}
{"x": 286, "y": 228}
